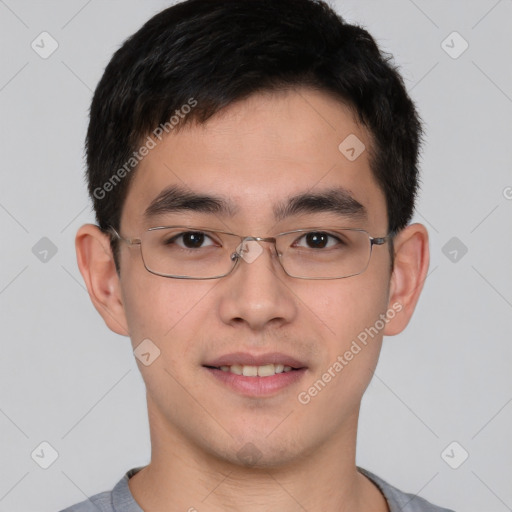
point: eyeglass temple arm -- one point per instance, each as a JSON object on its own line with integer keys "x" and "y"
{"x": 383, "y": 239}
{"x": 130, "y": 241}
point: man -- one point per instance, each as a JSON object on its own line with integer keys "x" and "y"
{"x": 253, "y": 168}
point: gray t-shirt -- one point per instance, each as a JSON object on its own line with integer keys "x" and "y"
{"x": 120, "y": 499}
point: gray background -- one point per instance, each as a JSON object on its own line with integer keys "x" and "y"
{"x": 69, "y": 381}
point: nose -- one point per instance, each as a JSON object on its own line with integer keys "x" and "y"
{"x": 257, "y": 292}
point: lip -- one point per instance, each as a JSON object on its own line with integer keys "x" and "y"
{"x": 257, "y": 386}
{"x": 245, "y": 358}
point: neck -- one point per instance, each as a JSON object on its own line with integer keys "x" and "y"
{"x": 184, "y": 477}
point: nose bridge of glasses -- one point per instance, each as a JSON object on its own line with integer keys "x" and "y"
{"x": 250, "y": 248}
{"x": 269, "y": 239}
{"x": 257, "y": 239}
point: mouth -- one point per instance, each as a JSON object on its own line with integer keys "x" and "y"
{"x": 251, "y": 365}
{"x": 265, "y": 370}
{"x": 256, "y": 376}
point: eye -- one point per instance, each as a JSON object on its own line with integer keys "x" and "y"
{"x": 318, "y": 240}
{"x": 191, "y": 240}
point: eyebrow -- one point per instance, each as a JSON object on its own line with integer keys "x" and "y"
{"x": 337, "y": 200}
{"x": 175, "y": 199}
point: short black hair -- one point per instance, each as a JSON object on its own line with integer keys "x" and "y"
{"x": 211, "y": 53}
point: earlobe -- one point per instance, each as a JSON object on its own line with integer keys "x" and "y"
{"x": 412, "y": 259}
{"x": 96, "y": 264}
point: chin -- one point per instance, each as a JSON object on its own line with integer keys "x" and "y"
{"x": 259, "y": 450}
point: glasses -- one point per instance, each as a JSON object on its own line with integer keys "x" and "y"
{"x": 185, "y": 252}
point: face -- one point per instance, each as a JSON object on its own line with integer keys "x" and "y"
{"x": 255, "y": 155}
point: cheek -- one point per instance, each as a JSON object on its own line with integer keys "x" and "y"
{"x": 347, "y": 307}
{"x": 347, "y": 312}
{"x": 166, "y": 312}
{"x": 159, "y": 308}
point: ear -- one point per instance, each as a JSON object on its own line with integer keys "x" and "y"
{"x": 412, "y": 259}
{"x": 96, "y": 264}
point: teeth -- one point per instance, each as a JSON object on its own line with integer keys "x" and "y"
{"x": 236, "y": 368}
{"x": 250, "y": 371}
{"x": 265, "y": 370}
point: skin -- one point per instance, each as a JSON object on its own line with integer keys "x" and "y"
{"x": 256, "y": 152}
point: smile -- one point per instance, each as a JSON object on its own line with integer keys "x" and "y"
{"x": 266, "y": 370}
{"x": 256, "y": 381}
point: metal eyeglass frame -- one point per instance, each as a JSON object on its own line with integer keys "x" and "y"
{"x": 236, "y": 256}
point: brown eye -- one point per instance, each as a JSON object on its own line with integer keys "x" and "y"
{"x": 193, "y": 240}
{"x": 190, "y": 240}
{"x": 317, "y": 240}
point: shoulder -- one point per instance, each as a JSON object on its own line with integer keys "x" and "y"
{"x": 119, "y": 499}
{"x": 101, "y": 502}
{"x": 400, "y": 501}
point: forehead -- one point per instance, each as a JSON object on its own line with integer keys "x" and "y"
{"x": 258, "y": 152}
